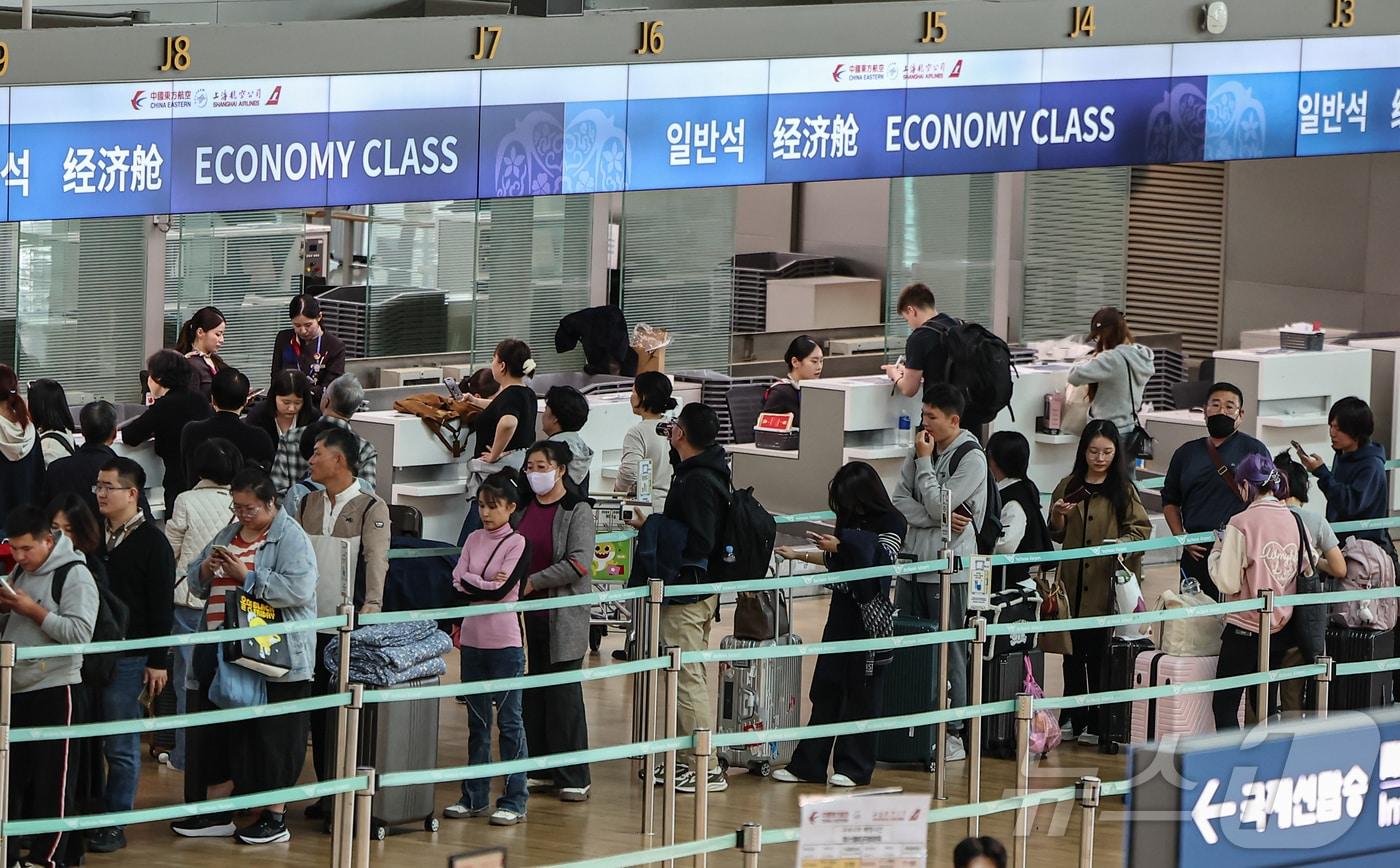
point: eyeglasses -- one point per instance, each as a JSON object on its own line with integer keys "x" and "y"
{"x": 101, "y": 489}
{"x": 1226, "y": 406}
{"x": 245, "y": 510}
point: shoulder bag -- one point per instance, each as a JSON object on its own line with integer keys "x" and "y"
{"x": 1137, "y": 442}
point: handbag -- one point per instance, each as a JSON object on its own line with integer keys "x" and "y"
{"x": 1137, "y": 443}
{"x": 1190, "y": 637}
{"x": 1054, "y": 606}
{"x": 1309, "y": 622}
{"x": 236, "y": 687}
{"x": 1045, "y": 727}
{"x": 760, "y": 616}
{"x": 1074, "y": 415}
{"x": 1127, "y": 597}
{"x": 267, "y": 655}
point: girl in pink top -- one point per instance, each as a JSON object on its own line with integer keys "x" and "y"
{"x": 492, "y": 568}
{"x": 1264, "y": 547}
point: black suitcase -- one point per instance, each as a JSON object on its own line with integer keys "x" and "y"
{"x": 1116, "y": 718}
{"x": 1356, "y": 692}
{"x": 908, "y": 689}
{"x": 163, "y": 740}
{"x": 1002, "y": 678}
{"x": 1015, "y": 605}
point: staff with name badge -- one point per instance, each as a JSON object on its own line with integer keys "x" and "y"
{"x": 308, "y": 348}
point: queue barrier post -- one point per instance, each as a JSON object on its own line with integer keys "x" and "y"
{"x": 1324, "y": 685}
{"x": 339, "y": 802}
{"x": 1087, "y": 792}
{"x": 945, "y": 590}
{"x": 701, "y": 753}
{"x": 343, "y": 828}
{"x": 751, "y": 843}
{"x": 7, "y": 674}
{"x": 1266, "y": 622}
{"x": 656, "y": 595}
{"x": 1021, "y": 833}
{"x": 668, "y": 793}
{"x": 364, "y": 800}
{"x": 974, "y": 726}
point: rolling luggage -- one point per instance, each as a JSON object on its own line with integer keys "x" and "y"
{"x": 908, "y": 689}
{"x": 1017, "y": 604}
{"x": 163, "y": 740}
{"x": 1003, "y": 677}
{"x": 1347, "y": 645}
{"x": 399, "y": 737}
{"x": 1115, "y": 719}
{"x": 758, "y": 695}
{"x": 1191, "y": 714}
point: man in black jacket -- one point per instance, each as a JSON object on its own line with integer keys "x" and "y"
{"x": 699, "y": 498}
{"x": 77, "y": 473}
{"x": 229, "y": 394}
{"x": 141, "y": 572}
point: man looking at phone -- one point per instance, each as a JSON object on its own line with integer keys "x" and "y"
{"x": 141, "y": 572}
{"x": 926, "y": 475}
{"x": 925, "y": 360}
{"x": 41, "y": 696}
{"x": 1200, "y": 493}
{"x": 229, "y": 394}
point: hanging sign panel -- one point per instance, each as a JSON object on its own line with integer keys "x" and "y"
{"x": 697, "y": 124}
{"x": 1234, "y": 100}
{"x": 1349, "y": 96}
{"x": 411, "y": 137}
{"x": 89, "y": 150}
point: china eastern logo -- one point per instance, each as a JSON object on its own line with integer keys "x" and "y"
{"x": 845, "y": 73}
{"x": 138, "y": 100}
{"x": 144, "y": 100}
{"x": 839, "y": 71}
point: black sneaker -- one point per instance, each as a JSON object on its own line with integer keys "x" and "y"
{"x": 108, "y": 840}
{"x": 204, "y": 826}
{"x": 268, "y": 828}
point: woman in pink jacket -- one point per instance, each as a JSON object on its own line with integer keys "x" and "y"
{"x": 1266, "y": 546}
{"x": 494, "y": 564}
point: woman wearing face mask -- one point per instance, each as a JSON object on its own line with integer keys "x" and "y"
{"x": 651, "y": 399}
{"x": 560, "y": 530}
{"x": 200, "y": 339}
{"x": 804, "y": 362}
{"x": 308, "y": 348}
{"x": 1096, "y": 503}
{"x": 1266, "y": 546}
{"x": 284, "y": 415}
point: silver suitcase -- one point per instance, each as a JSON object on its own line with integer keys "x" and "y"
{"x": 759, "y": 695}
{"x": 400, "y": 737}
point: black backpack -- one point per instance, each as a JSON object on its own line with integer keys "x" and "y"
{"x": 979, "y": 365}
{"x": 990, "y": 529}
{"x": 113, "y": 616}
{"x": 747, "y": 533}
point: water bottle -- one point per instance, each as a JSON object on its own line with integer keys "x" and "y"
{"x": 644, "y": 481}
{"x": 729, "y": 555}
{"x": 906, "y": 431}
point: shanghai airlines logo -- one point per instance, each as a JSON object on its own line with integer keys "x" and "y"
{"x": 838, "y": 72}
{"x": 276, "y": 96}
{"x": 138, "y": 100}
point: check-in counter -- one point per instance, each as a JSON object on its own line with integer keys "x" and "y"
{"x": 1052, "y": 455}
{"x": 843, "y": 419}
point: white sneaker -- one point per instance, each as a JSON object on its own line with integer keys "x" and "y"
{"x": 1088, "y": 737}
{"x": 955, "y": 749}
{"x": 506, "y": 817}
{"x": 783, "y": 776}
{"x": 840, "y": 780}
{"x": 534, "y": 785}
{"x": 574, "y": 794}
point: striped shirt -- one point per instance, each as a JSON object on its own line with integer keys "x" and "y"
{"x": 245, "y": 552}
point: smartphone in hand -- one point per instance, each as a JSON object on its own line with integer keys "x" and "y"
{"x": 1298, "y": 447}
{"x": 1079, "y": 495}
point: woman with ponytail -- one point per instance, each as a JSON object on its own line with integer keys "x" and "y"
{"x": 1266, "y": 546}
{"x": 21, "y": 459}
{"x": 506, "y": 424}
{"x": 199, "y": 341}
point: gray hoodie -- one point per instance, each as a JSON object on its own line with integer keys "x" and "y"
{"x": 583, "y": 455}
{"x": 920, "y": 492}
{"x": 1114, "y": 371}
{"x": 68, "y": 623}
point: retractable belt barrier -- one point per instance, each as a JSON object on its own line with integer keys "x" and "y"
{"x": 359, "y": 783}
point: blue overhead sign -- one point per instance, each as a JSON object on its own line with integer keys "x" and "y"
{"x": 152, "y": 148}
{"x": 1316, "y": 793}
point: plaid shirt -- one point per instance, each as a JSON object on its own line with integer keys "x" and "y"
{"x": 287, "y": 464}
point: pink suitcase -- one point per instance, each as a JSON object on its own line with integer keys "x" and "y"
{"x": 1191, "y": 714}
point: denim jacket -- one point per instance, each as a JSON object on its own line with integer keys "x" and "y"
{"x": 284, "y": 575}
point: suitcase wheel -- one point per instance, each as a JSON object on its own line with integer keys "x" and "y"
{"x": 1109, "y": 747}
{"x": 762, "y": 768}
{"x": 431, "y": 823}
{"x": 380, "y": 831}
{"x": 931, "y": 766}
